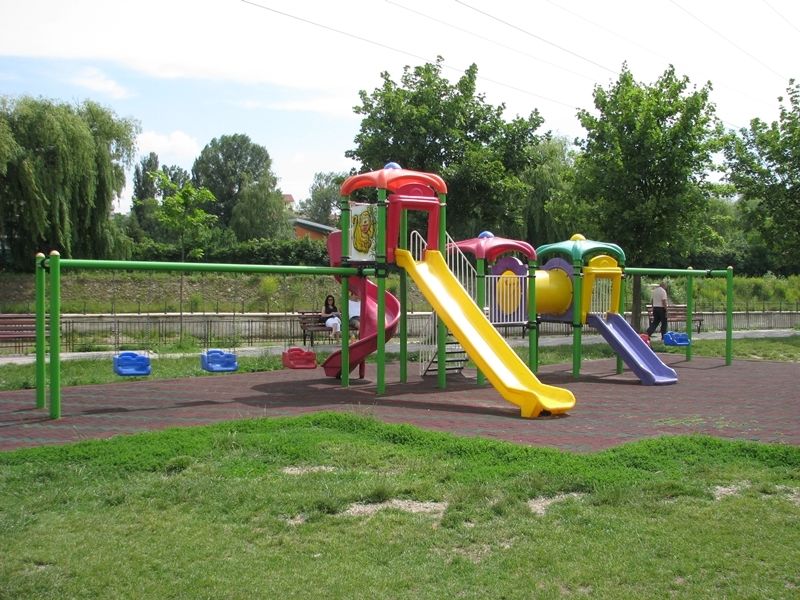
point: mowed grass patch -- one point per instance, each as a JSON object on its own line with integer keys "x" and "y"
{"x": 262, "y": 508}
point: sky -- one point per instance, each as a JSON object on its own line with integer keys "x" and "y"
{"x": 287, "y": 73}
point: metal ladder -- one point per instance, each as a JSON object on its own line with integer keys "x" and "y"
{"x": 455, "y": 356}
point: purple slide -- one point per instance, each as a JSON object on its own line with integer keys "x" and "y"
{"x": 637, "y": 355}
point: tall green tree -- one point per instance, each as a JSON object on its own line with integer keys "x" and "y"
{"x": 144, "y": 185}
{"x": 764, "y": 163}
{"x": 550, "y": 180}
{"x": 226, "y": 166}
{"x": 61, "y": 167}
{"x": 428, "y": 124}
{"x": 645, "y": 164}
{"x": 181, "y": 212}
{"x": 323, "y": 205}
{"x": 260, "y": 213}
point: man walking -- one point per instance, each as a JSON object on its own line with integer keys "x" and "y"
{"x": 659, "y": 309}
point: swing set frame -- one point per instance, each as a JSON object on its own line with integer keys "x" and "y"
{"x": 48, "y": 271}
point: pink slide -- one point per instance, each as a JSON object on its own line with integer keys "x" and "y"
{"x": 368, "y": 330}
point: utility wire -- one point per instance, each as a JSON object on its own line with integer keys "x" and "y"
{"x": 607, "y": 30}
{"x": 576, "y": 15}
{"x": 399, "y": 51}
{"x": 533, "y": 35}
{"x": 486, "y": 39}
{"x": 731, "y": 42}
{"x": 775, "y": 10}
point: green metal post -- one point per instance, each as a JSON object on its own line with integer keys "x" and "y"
{"x": 480, "y": 292}
{"x": 344, "y": 307}
{"x": 441, "y": 328}
{"x": 621, "y": 310}
{"x": 380, "y": 261}
{"x": 403, "y": 301}
{"x": 689, "y": 313}
{"x": 533, "y": 325}
{"x": 729, "y": 317}
{"x": 577, "y": 325}
{"x": 41, "y": 336}
{"x": 55, "y": 335}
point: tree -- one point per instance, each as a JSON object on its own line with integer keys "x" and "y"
{"x": 549, "y": 180}
{"x": 428, "y": 124}
{"x": 260, "y": 213}
{"x": 180, "y": 212}
{"x": 764, "y": 163}
{"x": 644, "y": 166}
{"x": 226, "y": 166}
{"x": 323, "y": 205}
{"x": 62, "y": 168}
{"x": 144, "y": 186}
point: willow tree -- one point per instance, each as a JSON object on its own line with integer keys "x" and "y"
{"x": 61, "y": 167}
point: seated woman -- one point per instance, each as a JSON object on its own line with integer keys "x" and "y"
{"x": 330, "y": 315}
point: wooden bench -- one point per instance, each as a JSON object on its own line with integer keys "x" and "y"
{"x": 676, "y": 313}
{"x": 310, "y": 324}
{"x": 17, "y": 329}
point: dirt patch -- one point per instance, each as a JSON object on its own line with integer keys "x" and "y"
{"x": 296, "y": 520}
{"x": 792, "y": 494}
{"x": 540, "y": 505}
{"x": 305, "y": 470}
{"x": 721, "y": 491}
{"x": 361, "y": 510}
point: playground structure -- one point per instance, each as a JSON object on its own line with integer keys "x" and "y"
{"x": 372, "y": 245}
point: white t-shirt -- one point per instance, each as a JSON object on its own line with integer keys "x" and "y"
{"x": 354, "y": 308}
{"x": 659, "y": 297}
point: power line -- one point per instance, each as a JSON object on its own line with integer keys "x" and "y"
{"x": 632, "y": 42}
{"x": 606, "y": 29}
{"x": 486, "y": 39}
{"x": 731, "y": 42}
{"x": 533, "y": 35}
{"x": 775, "y": 10}
{"x": 400, "y": 51}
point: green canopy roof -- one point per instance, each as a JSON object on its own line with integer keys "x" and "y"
{"x": 578, "y": 248}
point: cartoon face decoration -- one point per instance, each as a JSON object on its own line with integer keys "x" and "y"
{"x": 362, "y": 232}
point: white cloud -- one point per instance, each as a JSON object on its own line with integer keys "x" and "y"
{"x": 336, "y": 106}
{"x": 174, "y": 148}
{"x": 94, "y": 79}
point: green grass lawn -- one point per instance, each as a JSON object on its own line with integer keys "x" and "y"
{"x": 341, "y": 506}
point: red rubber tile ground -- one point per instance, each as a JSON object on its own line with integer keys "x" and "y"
{"x": 750, "y": 400}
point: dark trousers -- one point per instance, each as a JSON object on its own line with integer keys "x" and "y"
{"x": 659, "y": 317}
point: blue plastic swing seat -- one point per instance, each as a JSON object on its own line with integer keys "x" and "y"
{"x": 672, "y": 338}
{"x": 131, "y": 364}
{"x": 218, "y": 360}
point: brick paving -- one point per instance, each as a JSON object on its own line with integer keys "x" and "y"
{"x": 750, "y": 400}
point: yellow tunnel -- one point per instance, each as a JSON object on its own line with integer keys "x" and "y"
{"x": 553, "y": 291}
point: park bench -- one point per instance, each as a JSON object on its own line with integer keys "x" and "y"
{"x": 676, "y": 313}
{"x": 309, "y": 323}
{"x": 18, "y": 329}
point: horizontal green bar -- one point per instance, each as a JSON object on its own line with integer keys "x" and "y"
{"x": 139, "y": 265}
{"x": 676, "y": 272}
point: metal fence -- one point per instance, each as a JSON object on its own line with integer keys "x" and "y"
{"x": 84, "y": 333}
{"x": 88, "y": 333}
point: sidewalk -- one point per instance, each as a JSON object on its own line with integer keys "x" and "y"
{"x": 393, "y": 346}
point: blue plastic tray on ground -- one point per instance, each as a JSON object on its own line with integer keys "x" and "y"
{"x": 672, "y": 338}
{"x": 132, "y": 364}
{"x": 217, "y": 361}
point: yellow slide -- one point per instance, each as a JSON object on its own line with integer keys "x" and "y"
{"x": 485, "y": 346}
